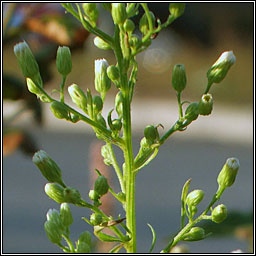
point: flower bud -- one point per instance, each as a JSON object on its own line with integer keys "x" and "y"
{"x": 55, "y": 192}
{"x": 72, "y": 195}
{"x": 59, "y": 110}
{"x": 101, "y": 44}
{"x": 91, "y": 11}
{"x": 78, "y": 97}
{"x": 63, "y": 60}
{"x": 219, "y": 213}
{"x": 117, "y": 125}
{"x": 195, "y": 197}
{"x": 129, "y": 26}
{"x": 96, "y": 219}
{"x": 101, "y": 120}
{"x": 220, "y": 68}
{"x": 102, "y": 82}
{"x": 143, "y": 25}
{"x": 150, "y": 133}
{"x": 195, "y": 234}
{"x": 54, "y": 233}
{"x": 48, "y": 167}
{"x": 97, "y": 104}
{"x": 83, "y": 247}
{"x": 205, "y": 105}
{"x": 93, "y": 195}
{"x": 66, "y": 215}
{"x": 118, "y": 12}
{"x": 113, "y": 73}
{"x": 27, "y": 61}
{"x": 179, "y": 79}
{"x": 176, "y": 9}
{"x": 191, "y": 112}
{"x": 53, "y": 215}
{"x": 228, "y": 173}
{"x": 85, "y": 237}
{"x": 101, "y": 185}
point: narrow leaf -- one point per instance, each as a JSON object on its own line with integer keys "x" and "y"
{"x": 153, "y": 239}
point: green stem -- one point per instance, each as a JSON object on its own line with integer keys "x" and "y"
{"x": 116, "y": 167}
{"x": 69, "y": 242}
{"x": 180, "y": 105}
{"x": 62, "y": 89}
{"x": 208, "y": 87}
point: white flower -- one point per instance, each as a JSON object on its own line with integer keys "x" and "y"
{"x": 233, "y": 163}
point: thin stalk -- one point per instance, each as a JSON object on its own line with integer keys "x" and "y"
{"x": 62, "y": 88}
{"x": 180, "y": 105}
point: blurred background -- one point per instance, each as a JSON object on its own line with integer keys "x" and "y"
{"x": 196, "y": 40}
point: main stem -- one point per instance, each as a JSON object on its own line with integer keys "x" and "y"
{"x": 129, "y": 174}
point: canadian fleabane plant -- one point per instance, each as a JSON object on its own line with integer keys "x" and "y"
{"x": 126, "y": 45}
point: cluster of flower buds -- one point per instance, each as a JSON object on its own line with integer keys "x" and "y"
{"x": 91, "y": 13}
{"x": 193, "y": 199}
{"x": 49, "y": 169}
{"x": 63, "y": 60}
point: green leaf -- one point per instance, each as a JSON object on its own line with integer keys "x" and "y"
{"x": 183, "y": 199}
{"x": 154, "y": 238}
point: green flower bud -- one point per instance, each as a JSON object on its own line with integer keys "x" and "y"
{"x": 101, "y": 44}
{"x": 32, "y": 87}
{"x": 78, "y": 97}
{"x": 227, "y": 175}
{"x": 179, "y": 79}
{"x": 106, "y": 155}
{"x": 192, "y": 112}
{"x": 93, "y": 195}
{"x": 219, "y": 213}
{"x": 121, "y": 196}
{"x": 54, "y": 233}
{"x": 96, "y": 219}
{"x": 134, "y": 41}
{"x": 59, "y": 110}
{"x": 220, "y": 68}
{"x": 195, "y": 197}
{"x": 176, "y": 9}
{"x": 205, "y": 105}
{"x": 102, "y": 82}
{"x": 113, "y": 73}
{"x": 83, "y": 247}
{"x": 150, "y": 133}
{"x": 91, "y": 11}
{"x": 117, "y": 125}
{"x": 97, "y": 104}
{"x": 66, "y": 215}
{"x": 119, "y": 104}
{"x": 143, "y": 25}
{"x": 85, "y": 237}
{"x": 195, "y": 234}
{"x": 101, "y": 185}
{"x": 27, "y": 61}
{"x": 55, "y": 192}
{"x": 118, "y": 12}
{"x": 63, "y": 60}
{"x": 72, "y": 195}
{"x": 129, "y": 26}
{"x": 48, "y": 167}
